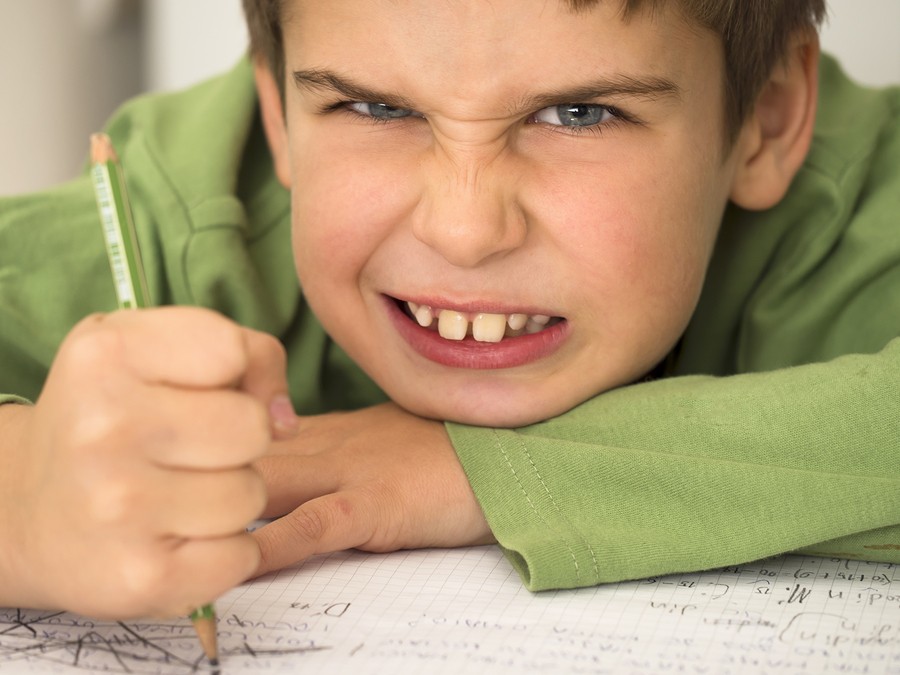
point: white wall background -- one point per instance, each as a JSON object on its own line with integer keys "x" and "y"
{"x": 65, "y": 65}
{"x": 864, "y": 33}
{"x": 178, "y": 54}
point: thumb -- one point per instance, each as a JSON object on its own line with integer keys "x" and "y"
{"x": 284, "y": 421}
{"x": 265, "y": 379}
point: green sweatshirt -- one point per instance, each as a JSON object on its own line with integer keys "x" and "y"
{"x": 777, "y": 427}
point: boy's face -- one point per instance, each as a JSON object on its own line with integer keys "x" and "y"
{"x": 502, "y": 158}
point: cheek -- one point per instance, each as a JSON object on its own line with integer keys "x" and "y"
{"x": 673, "y": 240}
{"x": 343, "y": 208}
{"x": 641, "y": 238}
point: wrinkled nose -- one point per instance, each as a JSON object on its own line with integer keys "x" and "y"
{"x": 469, "y": 213}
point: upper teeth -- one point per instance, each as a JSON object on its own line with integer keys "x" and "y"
{"x": 485, "y": 327}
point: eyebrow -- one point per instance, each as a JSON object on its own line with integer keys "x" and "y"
{"x": 623, "y": 86}
{"x": 325, "y": 79}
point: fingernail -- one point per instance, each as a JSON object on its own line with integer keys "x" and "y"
{"x": 283, "y": 416}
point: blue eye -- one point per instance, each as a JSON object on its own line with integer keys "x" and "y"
{"x": 574, "y": 115}
{"x": 381, "y": 111}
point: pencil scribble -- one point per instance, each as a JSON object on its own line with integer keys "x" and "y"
{"x": 144, "y": 648}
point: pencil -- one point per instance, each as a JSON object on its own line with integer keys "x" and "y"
{"x": 204, "y": 620}
{"x": 118, "y": 225}
{"x": 131, "y": 292}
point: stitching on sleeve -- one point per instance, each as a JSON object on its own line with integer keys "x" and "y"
{"x": 555, "y": 506}
{"x": 531, "y": 503}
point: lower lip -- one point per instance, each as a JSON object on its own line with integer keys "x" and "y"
{"x": 469, "y": 353}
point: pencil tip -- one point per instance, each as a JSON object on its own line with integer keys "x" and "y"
{"x": 204, "y": 620}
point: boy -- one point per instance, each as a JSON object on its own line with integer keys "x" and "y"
{"x": 502, "y": 216}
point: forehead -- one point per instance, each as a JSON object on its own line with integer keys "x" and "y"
{"x": 474, "y": 49}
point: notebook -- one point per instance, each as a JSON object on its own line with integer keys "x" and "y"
{"x": 465, "y": 611}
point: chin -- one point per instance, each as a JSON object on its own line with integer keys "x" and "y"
{"x": 500, "y": 412}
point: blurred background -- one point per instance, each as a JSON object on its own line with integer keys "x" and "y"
{"x": 66, "y": 64}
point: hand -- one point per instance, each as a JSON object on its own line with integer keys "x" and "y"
{"x": 126, "y": 489}
{"x": 377, "y": 479}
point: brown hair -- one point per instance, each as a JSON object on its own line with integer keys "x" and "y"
{"x": 755, "y": 35}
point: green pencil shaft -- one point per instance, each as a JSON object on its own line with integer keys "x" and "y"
{"x": 205, "y": 612}
{"x": 120, "y": 236}
{"x": 125, "y": 262}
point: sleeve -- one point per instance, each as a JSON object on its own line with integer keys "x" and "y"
{"x": 10, "y": 398}
{"x": 53, "y": 272}
{"x": 697, "y": 472}
{"x": 789, "y": 440}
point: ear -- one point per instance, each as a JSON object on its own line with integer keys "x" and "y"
{"x": 272, "y": 110}
{"x": 775, "y": 138}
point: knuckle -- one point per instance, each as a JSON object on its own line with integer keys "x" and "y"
{"x": 114, "y": 502}
{"x": 308, "y": 524}
{"x": 93, "y": 342}
{"x": 316, "y": 521}
{"x": 95, "y": 430}
{"x": 142, "y": 577}
{"x": 343, "y": 508}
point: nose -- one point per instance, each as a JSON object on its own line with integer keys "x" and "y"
{"x": 469, "y": 212}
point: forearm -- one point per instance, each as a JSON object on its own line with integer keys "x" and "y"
{"x": 692, "y": 473}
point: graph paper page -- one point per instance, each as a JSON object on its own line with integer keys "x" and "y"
{"x": 465, "y": 611}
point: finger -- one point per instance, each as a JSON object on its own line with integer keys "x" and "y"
{"x": 331, "y": 523}
{"x": 182, "y": 346}
{"x": 200, "y": 571}
{"x": 266, "y": 379}
{"x": 209, "y": 504}
{"x": 207, "y": 429}
{"x": 291, "y": 481}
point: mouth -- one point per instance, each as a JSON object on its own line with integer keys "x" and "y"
{"x": 465, "y": 338}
